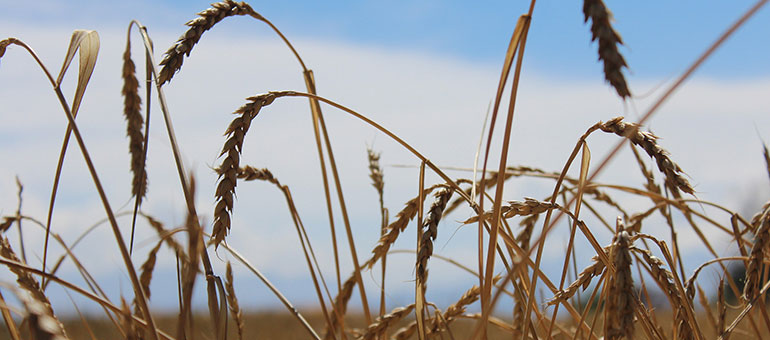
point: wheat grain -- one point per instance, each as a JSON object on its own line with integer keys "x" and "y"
{"x": 648, "y": 142}
{"x": 249, "y": 173}
{"x": 145, "y": 277}
{"x": 132, "y": 112}
{"x": 39, "y": 306}
{"x": 721, "y": 310}
{"x": 165, "y": 236}
{"x": 394, "y": 229}
{"x": 609, "y": 39}
{"x": 43, "y": 324}
{"x": 757, "y": 255}
{"x": 583, "y": 280}
{"x": 530, "y": 206}
{"x": 174, "y": 57}
{"x": 619, "y": 322}
{"x": 341, "y": 305}
{"x": 228, "y": 169}
{"x": 666, "y": 280}
{"x": 232, "y": 300}
{"x": 127, "y": 322}
{"x": 430, "y": 231}
{"x": 375, "y": 171}
{"x": 384, "y": 322}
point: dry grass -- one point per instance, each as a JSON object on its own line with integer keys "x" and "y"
{"x": 624, "y": 277}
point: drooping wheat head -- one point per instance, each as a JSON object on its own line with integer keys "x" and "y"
{"x": 609, "y": 39}
{"x": 174, "y": 57}
{"x": 228, "y": 169}
{"x": 386, "y": 321}
{"x": 648, "y": 142}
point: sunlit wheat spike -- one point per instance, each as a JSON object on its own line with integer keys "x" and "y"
{"x": 386, "y": 321}
{"x": 609, "y": 39}
{"x": 647, "y": 141}
{"x": 583, "y": 280}
{"x": 430, "y": 231}
{"x": 174, "y": 57}
{"x": 396, "y": 227}
{"x": 530, "y": 206}
{"x": 619, "y": 323}
{"x": 228, "y": 169}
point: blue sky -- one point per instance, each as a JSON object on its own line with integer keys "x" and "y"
{"x": 661, "y": 36}
{"x": 425, "y": 69}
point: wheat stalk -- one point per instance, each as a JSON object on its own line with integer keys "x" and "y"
{"x": 228, "y": 169}
{"x": 609, "y": 39}
{"x": 174, "y": 57}
{"x": 648, "y": 142}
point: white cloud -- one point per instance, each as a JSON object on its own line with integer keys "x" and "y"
{"x": 435, "y": 103}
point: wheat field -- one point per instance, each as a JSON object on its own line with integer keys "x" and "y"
{"x": 633, "y": 286}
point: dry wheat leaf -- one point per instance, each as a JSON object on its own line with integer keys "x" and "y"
{"x": 87, "y": 42}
